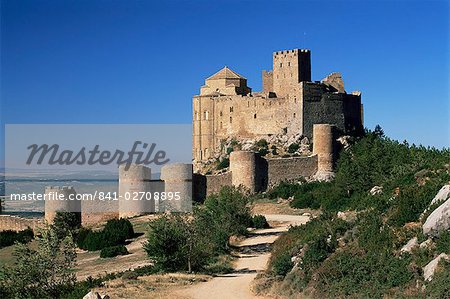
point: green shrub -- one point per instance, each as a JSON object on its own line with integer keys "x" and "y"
{"x": 66, "y": 223}
{"x": 439, "y": 287}
{"x": 443, "y": 242}
{"x": 263, "y": 151}
{"x": 95, "y": 240}
{"x": 293, "y": 148}
{"x": 262, "y": 143}
{"x": 174, "y": 243}
{"x": 113, "y": 251}
{"x": 411, "y": 203}
{"x": 262, "y": 147}
{"x": 259, "y": 221}
{"x": 282, "y": 264}
{"x": 115, "y": 232}
{"x": 9, "y": 237}
{"x": 119, "y": 229}
{"x": 351, "y": 273}
{"x": 223, "y": 164}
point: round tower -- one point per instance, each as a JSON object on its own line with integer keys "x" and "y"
{"x": 177, "y": 187}
{"x": 323, "y": 139}
{"x": 133, "y": 181}
{"x": 243, "y": 169}
{"x": 60, "y": 199}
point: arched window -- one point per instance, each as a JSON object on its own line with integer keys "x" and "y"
{"x": 231, "y": 119}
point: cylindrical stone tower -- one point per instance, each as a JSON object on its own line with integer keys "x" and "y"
{"x": 243, "y": 170}
{"x": 324, "y": 139}
{"x": 177, "y": 187}
{"x": 60, "y": 199}
{"x": 134, "y": 191}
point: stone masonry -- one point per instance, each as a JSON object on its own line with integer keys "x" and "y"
{"x": 289, "y": 104}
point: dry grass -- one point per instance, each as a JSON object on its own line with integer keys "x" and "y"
{"x": 152, "y": 286}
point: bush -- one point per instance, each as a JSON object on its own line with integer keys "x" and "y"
{"x": 66, "y": 223}
{"x": 262, "y": 143}
{"x": 177, "y": 242}
{"x": 95, "y": 240}
{"x": 9, "y": 237}
{"x": 263, "y": 151}
{"x": 282, "y": 264}
{"x": 113, "y": 251}
{"x": 174, "y": 243}
{"x": 293, "y": 148}
{"x": 119, "y": 230}
{"x": 443, "y": 243}
{"x": 411, "y": 203}
{"x": 43, "y": 270}
{"x": 223, "y": 164}
{"x": 259, "y": 221}
{"x": 439, "y": 286}
{"x": 351, "y": 273}
{"x": 116, "y": 232}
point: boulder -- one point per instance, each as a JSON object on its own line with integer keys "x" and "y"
{"x": 426, "y": 244}
{"x": 92, "y": 295}
{"x": 376, "y": 190}
{"x": 323, "y": 176}
{"x": 442, "y": 195}
{"x": 348, "y": 216}
{"x": 410, "y": 245}
{"x": 438, "y": 220}
{"x": 428, "y": 270}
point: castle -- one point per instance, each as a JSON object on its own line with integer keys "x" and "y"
{"x": 290, "y": 103}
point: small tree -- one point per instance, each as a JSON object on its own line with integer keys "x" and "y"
{"x": 66, "y": 223}
{"x": 175, "y": 243}
{"x": 44, "y": 272}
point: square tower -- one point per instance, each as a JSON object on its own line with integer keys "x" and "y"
{"x": 290, "y": 67}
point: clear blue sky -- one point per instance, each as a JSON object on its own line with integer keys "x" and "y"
{"x": 141, "y": 61}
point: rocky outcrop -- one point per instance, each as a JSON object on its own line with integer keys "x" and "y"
{"x": 442, "y": 195}
{"x": 438, "y": 220}
{"x": 347, "y": 216}
{"x": 95, "y": 295}
{"x": 323, "y": 176}
{"x": 376, "y": 190}
{"x": 430, "y": 268}
{"x": 410, "y": 245}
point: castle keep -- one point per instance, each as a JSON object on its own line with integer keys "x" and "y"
{"x": 289, "y": 104}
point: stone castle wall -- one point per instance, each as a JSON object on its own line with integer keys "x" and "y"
{"x": 255, "y": 173}
{"x": 288, "y": 169}
{"x": 242, "y": 117}
{"x": 323, "y": 107}
{"x": 289, "y": 104}
{"x": 215, "y": 182}
{"x": 8, "y": 222}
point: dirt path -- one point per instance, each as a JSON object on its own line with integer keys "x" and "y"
{"x": 254, "y": 253}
